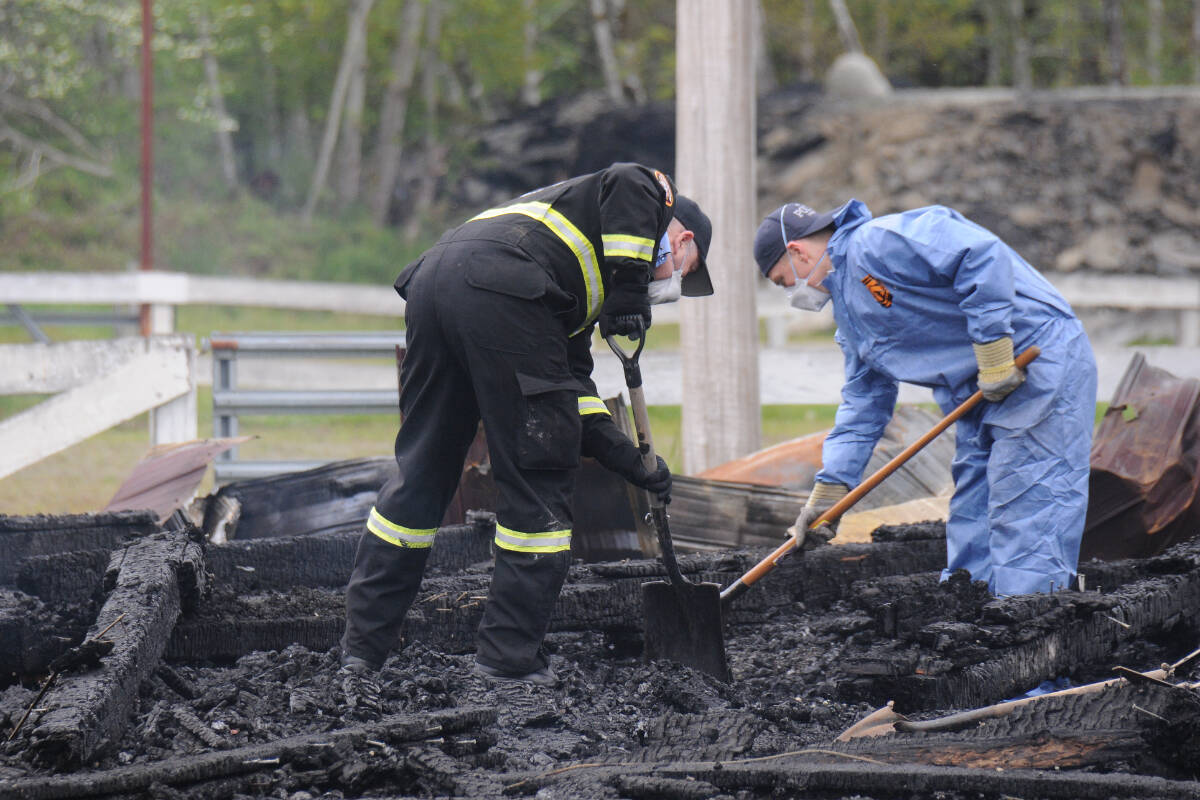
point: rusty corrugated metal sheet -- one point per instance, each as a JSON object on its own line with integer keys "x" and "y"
{"x": 167, "y": 477}
{"x": 1144, "y": 480}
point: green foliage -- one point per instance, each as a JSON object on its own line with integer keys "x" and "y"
{"x": 69, "y": 84}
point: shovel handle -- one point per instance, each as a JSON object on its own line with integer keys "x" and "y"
{"x": 641, "y": 425}
{"x": 742, "y": 584}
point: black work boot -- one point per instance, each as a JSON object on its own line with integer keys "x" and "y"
{"x": 543, "y": 676}
{"x": 361, "y": 692}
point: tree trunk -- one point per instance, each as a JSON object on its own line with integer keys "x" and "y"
{"x": 395, "y": 109}
{"x": 271, "y": 113}
{"x": 1195, "y": 41}
{"x": 356, "y": 40}
{"x": 224, "y": 123}
{"x": 808, "y": 45}
{"x": 1116, "y": 43}
{"x": 349, "y": 176}
{"x": 881, "y": 35}
{"x": 531, "y": 85}
{"x": 602, "y": 30}
{"x": 764, "y": 73}
{"x": 1154, "y": 22}
{"x": 845, "y": 26}
{"x": 434, "y": 149}
{"x": 1022, "y": 72}
{"x": 995, "y": 42}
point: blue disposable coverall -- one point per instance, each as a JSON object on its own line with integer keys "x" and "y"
{"x": 910, "y": 293}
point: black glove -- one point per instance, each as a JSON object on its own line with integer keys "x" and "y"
{"x": 627, "y": 302}
{"x": 657, "y": 482}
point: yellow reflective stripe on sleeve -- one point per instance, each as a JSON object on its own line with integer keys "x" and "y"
{"x": 573, "y": 238}
{"x": 398, "y": 534}
{"x": 592, "y": 405}
{"x": 639, "y": 247}
{"x": 545, "y": 542}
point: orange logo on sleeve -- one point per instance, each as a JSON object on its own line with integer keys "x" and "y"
{"x": 878, "y": 291}
{"x": 666, "y": 187}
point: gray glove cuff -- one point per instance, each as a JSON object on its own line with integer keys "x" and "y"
{"x": 826, "y": 495}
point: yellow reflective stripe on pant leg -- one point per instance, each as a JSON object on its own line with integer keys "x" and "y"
{"x": 592, "y": 405}
{"x": 398, "y": 534}
{"x": 573, "y": 238}
{"x": 544, "y": 542}
{"x": 617, "y": 245}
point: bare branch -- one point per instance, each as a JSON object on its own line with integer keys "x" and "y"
{"x": 23, "y": 142}
{"x": 41, "y": 111}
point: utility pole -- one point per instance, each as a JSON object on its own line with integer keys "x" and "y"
{"x": 714, "y": 165}
{"x": 147, "y": 262}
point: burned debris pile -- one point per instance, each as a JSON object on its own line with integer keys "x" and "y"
{"x": 151, "y": 662}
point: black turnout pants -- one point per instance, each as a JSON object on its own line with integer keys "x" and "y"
{"x": 485, "y": 341}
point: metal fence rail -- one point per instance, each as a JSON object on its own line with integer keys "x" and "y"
{"x": 230, "y": 403}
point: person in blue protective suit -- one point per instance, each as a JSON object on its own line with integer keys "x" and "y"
{"x": 930, "y": 298}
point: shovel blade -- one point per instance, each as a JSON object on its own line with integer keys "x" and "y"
{"x": 683, "y": 624}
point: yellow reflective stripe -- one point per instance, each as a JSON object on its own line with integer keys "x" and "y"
{"x": 592, "y": 405}
{"x": 544, "y": 542}
{"x": 617, "y": 244}
{"x": 398, "y": 534}
{"x": 573, "y": 238}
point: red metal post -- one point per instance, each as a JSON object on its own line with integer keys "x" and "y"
{"x": 147, "y": 149}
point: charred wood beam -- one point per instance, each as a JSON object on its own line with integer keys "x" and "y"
{"x": 1014, "y": 643}
{"x": 22, "y": 537}
{"x": 151, "y": 581}
{"x": 395, "y": 730}
{"x": 254, "y": 565}
{"x": 328, "y": 499}
{"x": 64, "y": 578}
{"x": 810, "y": 774}
{"x": 598, "y": 597}
{"x": 1067, "y": 730}
{"x": 32, "y": 634}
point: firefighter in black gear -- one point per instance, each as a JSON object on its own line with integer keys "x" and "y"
{"x": 499, "y": 317}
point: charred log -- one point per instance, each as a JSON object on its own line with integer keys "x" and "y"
{"x": 22, "y": 537}
{"x": 1065, "y": 730}
{"x": 396, "y": 730}
{"x": 64, "y": 578}
{"x": 813, "y": 773}
{"x": 152, "y": 581}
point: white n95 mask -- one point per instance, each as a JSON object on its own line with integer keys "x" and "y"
{"x": 803, "y": 297}
{"x": 665, "y": 290}
{"x": 807, "y": 298}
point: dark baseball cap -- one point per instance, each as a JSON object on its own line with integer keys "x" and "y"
{"x": 789, "y": 221}
{"x": 696, "y": 283}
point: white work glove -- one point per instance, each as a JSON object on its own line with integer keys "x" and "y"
{"x": 822, "y": 498}
{"x": 998, "y": 373}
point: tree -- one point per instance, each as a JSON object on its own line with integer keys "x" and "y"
{"x": 224, "y": 123}
{"x": 46, "y": 78}
{"x": 1115, "y": 22}
{"x": 356, "y": 41}
{"x": 1022, "y": 71}
{"x": 395, "y": 108}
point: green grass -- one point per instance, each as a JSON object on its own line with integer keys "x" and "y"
{"x": 85, "y": 477}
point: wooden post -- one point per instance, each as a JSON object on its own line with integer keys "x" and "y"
{"x": 714, "y": 165}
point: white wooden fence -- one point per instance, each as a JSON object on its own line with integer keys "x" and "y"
{"x": 102, "y": 383}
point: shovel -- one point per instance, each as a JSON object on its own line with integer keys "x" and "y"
{"x": 743, "y": 584}
{"x": 683, "y": 619}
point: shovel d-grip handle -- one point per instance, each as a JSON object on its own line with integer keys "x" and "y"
{"x": 742, "y": 584}
{"x": 641, "y": 425}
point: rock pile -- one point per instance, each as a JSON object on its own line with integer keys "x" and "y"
{"x": 1074, "y": 179}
